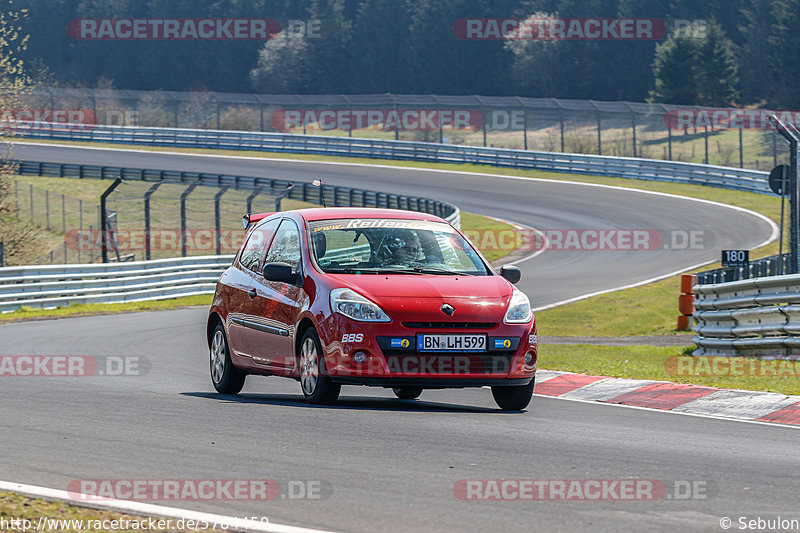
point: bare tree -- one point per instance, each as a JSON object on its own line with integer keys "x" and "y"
{"x": 21, "y": 240}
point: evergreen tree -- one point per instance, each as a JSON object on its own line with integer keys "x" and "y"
{"x": 675, "y": 72}
{"x": 716, "y": 67}
{"x": 784, "y": 58}
{"x": 755, "y": 50}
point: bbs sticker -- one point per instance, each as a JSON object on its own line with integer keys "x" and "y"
{"x": 353, "y": 337}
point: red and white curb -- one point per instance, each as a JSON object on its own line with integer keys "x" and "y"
{"x": 154, "y": 511}
{"x": 668, "y": 396}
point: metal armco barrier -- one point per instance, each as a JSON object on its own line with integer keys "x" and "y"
{"x": 754, "y": 317}
{"x": 333, "y": 196}
{"x": 59, "y": 285}
{"x": 774, "y": 265}
{"x": 620, "y": 167}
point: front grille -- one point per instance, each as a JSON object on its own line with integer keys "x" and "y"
{"x": 450, "y": 325}
{"x": 448, "y": 363}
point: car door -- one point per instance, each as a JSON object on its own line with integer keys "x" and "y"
{"x": 242, "y": 291}
{"x": 278, "y": 304}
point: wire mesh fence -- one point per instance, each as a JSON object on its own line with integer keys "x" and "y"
{"x": 145, "y": 220}
{"x": 727, "y": 137}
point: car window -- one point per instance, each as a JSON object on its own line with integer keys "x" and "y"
{"x": 256, "y": 244}
{"x": 286, "y": 245}
{"x": 392, "y": 245}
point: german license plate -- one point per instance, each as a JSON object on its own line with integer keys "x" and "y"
{"x": 451, "y": 343}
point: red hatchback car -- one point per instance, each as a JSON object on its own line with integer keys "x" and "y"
{"x": 379, "y": 297}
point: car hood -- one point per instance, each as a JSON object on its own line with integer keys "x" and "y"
{"x": 420, "y": 297}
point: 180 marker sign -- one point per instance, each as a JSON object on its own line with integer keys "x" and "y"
{"x": 735, "y": 258}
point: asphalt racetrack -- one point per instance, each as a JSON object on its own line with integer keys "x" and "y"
{"x": 382, "y": 463}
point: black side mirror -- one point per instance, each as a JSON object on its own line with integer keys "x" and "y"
{"x": 511, "y": 273}
{"x": 279, "y": 272}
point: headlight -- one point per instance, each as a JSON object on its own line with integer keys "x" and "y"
{"x": 352, "y": 305}
{"x": 519, "y": 309}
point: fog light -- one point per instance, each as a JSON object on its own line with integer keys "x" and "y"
{"x": 360, "y": 357}
{"x": 529, "y": 358}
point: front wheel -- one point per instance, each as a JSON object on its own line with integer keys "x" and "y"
{"x": 227, "y": 379}
{"x": 316, "y": 384}
{"x": 407, "y": 393}
{"x": 514, "y": 398}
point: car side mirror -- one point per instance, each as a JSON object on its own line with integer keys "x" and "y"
{"x": 511, "y": 273}
{"x": 279, "y": 272}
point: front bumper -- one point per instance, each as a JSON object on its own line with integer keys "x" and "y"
{"x": 391, "y": 358}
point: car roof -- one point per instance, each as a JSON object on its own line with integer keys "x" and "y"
{"x": 330, "y": 213}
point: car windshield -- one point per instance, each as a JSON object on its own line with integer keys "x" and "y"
{"x": 398, "y": 246}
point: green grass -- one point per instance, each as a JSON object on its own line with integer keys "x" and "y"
{"x": 472, "y": 224}
{"x": 651, "y": 363}
{"x": 17, "y": 506}
{"x": 30, "y": 313}
{"x": 647, "y": 310}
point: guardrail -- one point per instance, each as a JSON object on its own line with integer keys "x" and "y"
{"x": 59, "y": 285}
{"x": 754, "y": 317}
{"x": 621, "y": 167}
{"x": 331, "y": 195}
{"x": 773, "y": 265}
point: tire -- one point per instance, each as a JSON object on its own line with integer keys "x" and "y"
{"x": 514, "y": 398}
{"x": 317, "y": 386}
{"x": 407, "y": 393}
{"x": 227, "y": 379}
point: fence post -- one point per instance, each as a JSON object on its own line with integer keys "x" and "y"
{"x": 705, "y": 142}
{"x": 80, "y": 227}
{"x": 793, "y": 136}
{"x": 256, "y": 192}
{"x": 31, "y": 196}
{"x": 147, "y": 195}
{"x": 103, "y": 218}
{"x": 633, "y": 119}
{"x": 47, "y": 206}
{"x": 2, "y": 254}
{"x": 217, "y": 222}
{"x": 669, "y": 141}
{"x": 63, "y": 215}
{"x": 741, "y": 150}
{"x": 185, "y": 194}
{"x": 599, "y": 135}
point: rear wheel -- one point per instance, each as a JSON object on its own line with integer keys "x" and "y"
{"x": 514, "y": 398}
{"x": 227, "y": 379}
{"x": 314, "y": 380}
{"x": 407, "y": 393}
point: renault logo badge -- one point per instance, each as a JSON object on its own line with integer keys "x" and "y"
{"x": 448, "y": 309}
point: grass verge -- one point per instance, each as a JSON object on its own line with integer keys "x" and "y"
{"x": 653, "y": 363}
{"x": 63, "y": 517}
{"x": 31, "y": 313}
